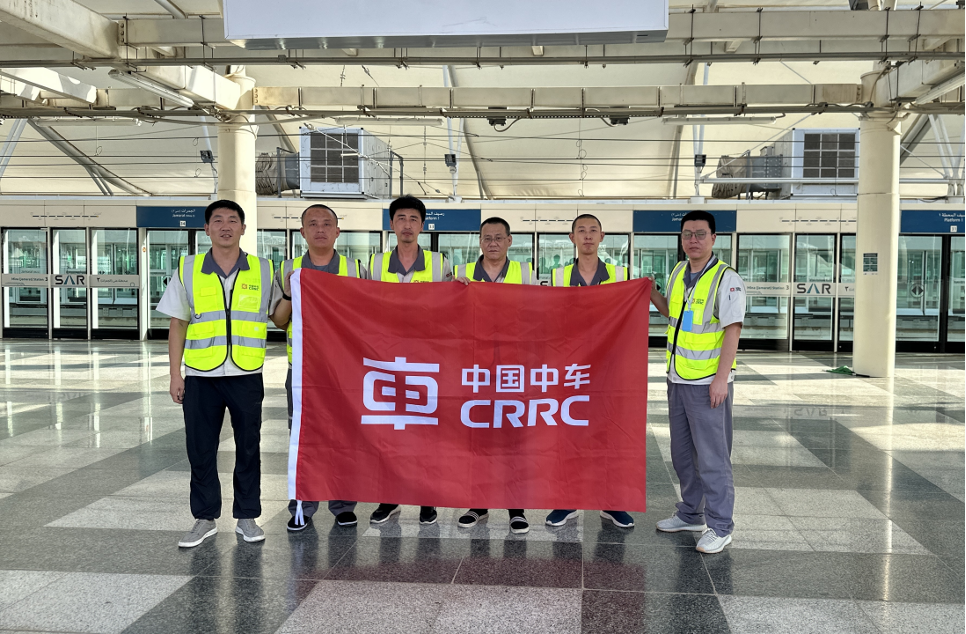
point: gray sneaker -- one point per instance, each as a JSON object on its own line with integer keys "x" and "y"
{"x": 711, "y": 543}
{"x": 249, "y": 530}
{"x": 202, "y": 530}
{"x": 675, "y": 524}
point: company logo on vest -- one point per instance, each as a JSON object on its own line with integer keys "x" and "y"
{"x": 385, "y": 391}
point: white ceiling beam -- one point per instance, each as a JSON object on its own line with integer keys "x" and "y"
{"x": 19, "y": 89}
{"x": 52, "y": 81}
{"x": 65, "y": 23}
{"x": 909, "y": 81}
{"x": 554, "y": 97}
{"x": 699, "y": 27}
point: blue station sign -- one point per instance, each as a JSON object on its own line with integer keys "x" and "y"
{"x": 668, "y": 221}
{"x": 171, "y": 217}
{"x": 444, "y": 220}
{"x": 933, "y": 221}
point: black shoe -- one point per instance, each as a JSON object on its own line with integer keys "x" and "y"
{"x": 470, "y": 518}
{"x": 293, "y": 526}
{"x": 519, "y": 525}
{"x": 346, "y": 518}
{"x": 427, "y": 514}
{"x": 383, "y": 513}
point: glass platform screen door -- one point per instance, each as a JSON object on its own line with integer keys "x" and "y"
{"x": 25, "y": 282}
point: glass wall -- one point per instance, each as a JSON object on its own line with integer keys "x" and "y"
{"x": 722, "y": 248}
{"x": 70, "y": 258}
{"x": 847, "y": 276}
{"x": 765, "y": 259}
{"x": 814, "y": 263}
{"x": 918, "y": 288}
{"x": 522, "y": 248}
{"x": 957, "y": 288}
{"x": 25, "y": 251}
{"x": 117, "y": 254}
{"x": 615, "y": 249}
{"x": 165, "y": 247}
{"x": 555, "y": 250}
{"x": 655, "y": 256}
{"x": 271, "y": 245}
{"x": 460, "y": 248}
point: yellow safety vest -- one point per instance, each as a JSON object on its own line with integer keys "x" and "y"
{"x": 514, "y": 273}
{"x": 212, "y": 330}
{"x": 561, "y": 276}
{"x": 696, "y": 351}
{"x": 347, "y": 268}
{"x": 432, "y": 268}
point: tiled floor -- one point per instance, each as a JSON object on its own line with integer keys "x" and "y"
{"x": 849, "y": 518}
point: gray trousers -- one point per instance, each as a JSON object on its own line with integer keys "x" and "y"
{"x": 309, "y": 508}
{"x": 701, "y": 454}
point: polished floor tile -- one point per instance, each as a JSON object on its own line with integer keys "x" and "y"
{"x": 849, "y": 517}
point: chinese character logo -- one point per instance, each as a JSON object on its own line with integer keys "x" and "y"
{"x": 400, "y": 393}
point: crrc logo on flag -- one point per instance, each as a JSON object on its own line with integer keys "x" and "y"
{"x": 411, "y": 400}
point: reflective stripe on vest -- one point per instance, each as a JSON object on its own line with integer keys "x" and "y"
{"x": 210, "y": 333}
{"x": 561, "y": 276}
{"x": 695, "y": 352}
{"x": 515, "y": 273}
{"x": 347, "y": 268}
{"x": 432, "y": 268}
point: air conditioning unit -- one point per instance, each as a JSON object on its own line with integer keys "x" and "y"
{"x": 343, "y": 163}
{"x": 828, "y": 157}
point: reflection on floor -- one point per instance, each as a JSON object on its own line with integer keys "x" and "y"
{"x": 849, "y": 518}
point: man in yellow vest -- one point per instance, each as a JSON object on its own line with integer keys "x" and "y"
{"x": 705, "y": 306}
{"x": 218, "y": 304}
{"x": 495, "y": 266}
{"x": 405, "y": 264}
{"x": 587, "y": 233}
{"x": 320, "y": 228}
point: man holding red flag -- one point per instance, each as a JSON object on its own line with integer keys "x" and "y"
{"x": 495, "y": 266}
{"x": 405, "y": 264}
{"x": 587, "y": 233}
{"x": 320, "y": 228}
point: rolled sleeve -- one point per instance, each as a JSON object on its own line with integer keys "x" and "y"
{"x": 731, "y": 299}
{"x": 174, "y": 302}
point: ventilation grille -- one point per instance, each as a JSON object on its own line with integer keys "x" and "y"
{"x": 829, "y": 156}
{"x": 334, "y": 157}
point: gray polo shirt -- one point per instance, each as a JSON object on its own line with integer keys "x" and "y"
{"x": 174, "y": 303}
{"x": 729, "y": 308}
{"x": 601, "y": 276}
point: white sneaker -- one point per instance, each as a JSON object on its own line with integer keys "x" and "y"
{"x": 249, "y": 530}
{"x": 710, "y": 543}
{"x": 675, "y": 524}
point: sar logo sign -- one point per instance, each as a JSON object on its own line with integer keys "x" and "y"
{"x": 487, "y": 395}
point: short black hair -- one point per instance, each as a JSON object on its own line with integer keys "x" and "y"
{"x": 699, "y": 214}
{"x": 407, "y": 202}
{"x": 224, "y": 204}
{"x": 573, "y": 225}
{"x": 496, "y": 221}
{"x": 320, "y": 206}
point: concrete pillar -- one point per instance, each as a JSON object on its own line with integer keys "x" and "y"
{"x": 877, "y": 247}
{"x": 236, "y": 160}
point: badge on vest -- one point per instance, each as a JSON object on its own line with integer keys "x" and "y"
{"x": 687, "y": 320}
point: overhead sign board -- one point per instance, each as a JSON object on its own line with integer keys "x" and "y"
{"x": 444, "y": 220}
{"x": 669, "y": 221}
{"x": 171, "y": 217}
{"x": 310, "y": 24}
{"x": 933, "y": 221}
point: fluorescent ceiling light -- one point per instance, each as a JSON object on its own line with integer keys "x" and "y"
{"x": 151, "y": 86}
{"x": 414, "y": 121}
{"x": 941, "y": 89}
{"x": 717, "y": 120}
{"x": 87, "y": 121}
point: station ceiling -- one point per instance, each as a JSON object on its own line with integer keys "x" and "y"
{"x": 562, "y": 158}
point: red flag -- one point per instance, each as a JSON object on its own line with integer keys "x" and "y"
{"x": 479, "y": 396}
